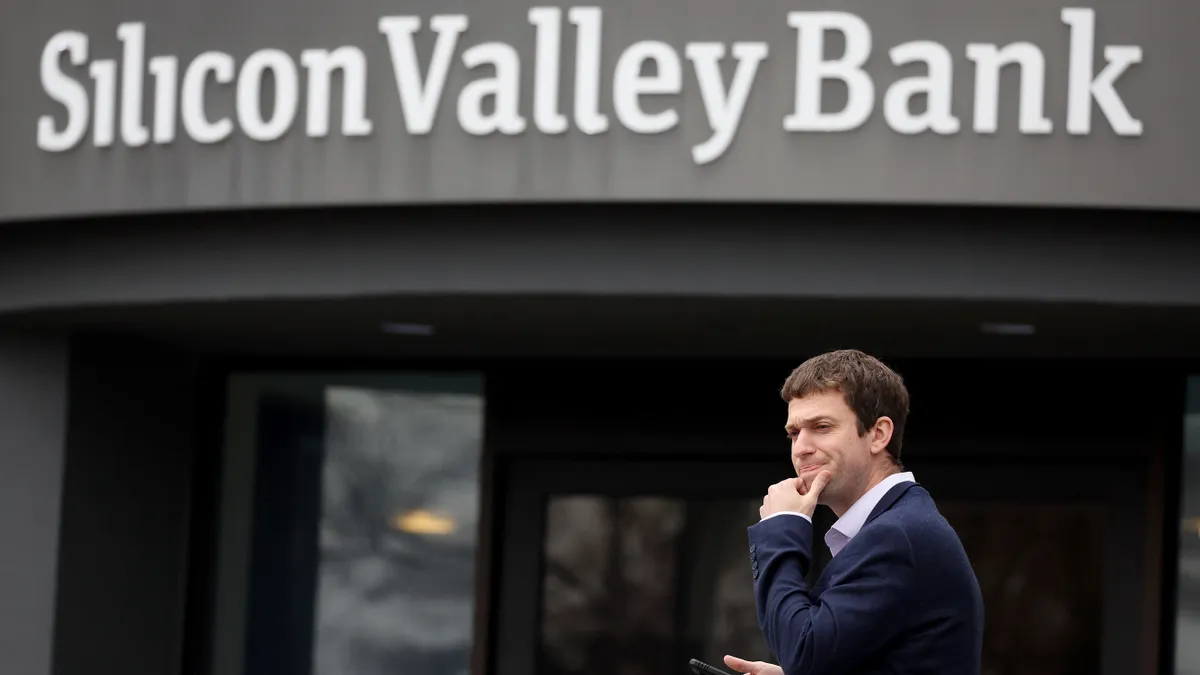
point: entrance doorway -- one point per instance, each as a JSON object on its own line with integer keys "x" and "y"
{"x": 631, "y": 567}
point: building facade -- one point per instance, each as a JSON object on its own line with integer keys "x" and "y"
{"x": 384, "y": 338}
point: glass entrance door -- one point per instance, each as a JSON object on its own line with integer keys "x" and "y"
{"x": 631, "y": 567}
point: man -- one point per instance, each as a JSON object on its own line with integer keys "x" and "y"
{"x": 899, "y": 595}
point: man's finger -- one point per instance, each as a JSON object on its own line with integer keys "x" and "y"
{"x": 740, "y": 665}
{"x": 801, "y": 486}
{"x": 821, "y": 481}
{"x": 783, "y": 487}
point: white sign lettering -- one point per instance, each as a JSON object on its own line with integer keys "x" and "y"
{"x": 487, "y": 81}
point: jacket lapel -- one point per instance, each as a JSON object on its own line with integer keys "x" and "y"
{"x": 888, "y": 499}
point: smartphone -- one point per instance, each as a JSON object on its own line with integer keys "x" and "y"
{"x": 701, "y": 668}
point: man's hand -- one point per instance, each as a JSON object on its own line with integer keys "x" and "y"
{"x": 793, "y": 495}
{"x": 752, "y": 667}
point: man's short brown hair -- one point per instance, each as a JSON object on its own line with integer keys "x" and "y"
{"x": 871, "y": 389}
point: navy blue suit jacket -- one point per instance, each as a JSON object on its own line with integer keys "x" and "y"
{"x": 901, "y": 597}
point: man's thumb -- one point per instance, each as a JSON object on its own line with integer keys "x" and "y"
{"x": 740, "y": 665}
{"x": 821, "y": 481}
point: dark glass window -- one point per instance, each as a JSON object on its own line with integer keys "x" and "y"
{"x": 349, "y": 523}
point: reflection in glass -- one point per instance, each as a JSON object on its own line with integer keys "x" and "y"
{"x": 1187, "y": 636}
{"x": 1040, "y": 568}
{"x": 349, "y": 517}
{"x": 398, "y": 529}
{"x": 637, "y": 586}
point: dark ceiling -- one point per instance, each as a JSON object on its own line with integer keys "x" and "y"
{"x": 488, "y": 326}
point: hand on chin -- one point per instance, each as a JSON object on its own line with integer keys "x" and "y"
{"x": 794, "y": 494}
{"x": 805, "y": 478}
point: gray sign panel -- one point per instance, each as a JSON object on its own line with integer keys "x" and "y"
{"x": 144, "y": 106}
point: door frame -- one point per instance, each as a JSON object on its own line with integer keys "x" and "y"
{"x": 528, "y": 481}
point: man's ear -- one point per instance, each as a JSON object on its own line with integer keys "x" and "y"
{"x": 881, "y": 434}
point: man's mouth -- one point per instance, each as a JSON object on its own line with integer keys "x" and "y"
{"x": 809, "y": 467}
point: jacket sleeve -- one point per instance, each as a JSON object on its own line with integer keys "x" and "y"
{"x": 858, "y": 614}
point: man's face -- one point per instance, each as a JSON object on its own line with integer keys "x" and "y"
{"x": 824, "y": 435}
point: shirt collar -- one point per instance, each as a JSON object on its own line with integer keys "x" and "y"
{"x": 855, "y": 517}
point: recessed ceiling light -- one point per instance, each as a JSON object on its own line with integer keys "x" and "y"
{"x": 393, "y": 328}
{"x": 998, "y": 328}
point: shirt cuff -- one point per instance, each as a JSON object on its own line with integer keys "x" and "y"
{"x": 788, "y": 513}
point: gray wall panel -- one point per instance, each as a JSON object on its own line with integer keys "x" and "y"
{"x": 33, "y": 426}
